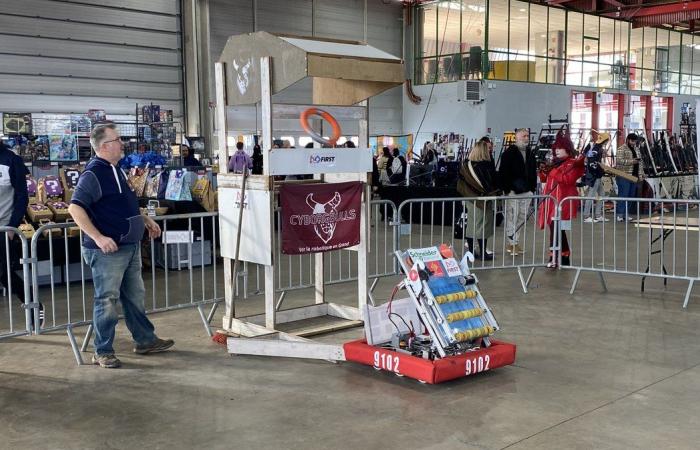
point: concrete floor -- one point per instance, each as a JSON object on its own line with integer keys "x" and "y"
{"x": 594, "y": 370}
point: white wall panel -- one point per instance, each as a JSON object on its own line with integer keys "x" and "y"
{"x": 60, "y": 29}
{"x": 35, "y": 65}
{"x": 73, "y": 55}
{"x": 91, "y": 14}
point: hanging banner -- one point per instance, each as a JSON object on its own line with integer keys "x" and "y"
{"x": 320, "y": 217}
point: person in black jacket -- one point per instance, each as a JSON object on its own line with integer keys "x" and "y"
{"x": 518, "y": 175}
{"x": 13, "y": 205}
{"x": 257, "y": 160}
{"x": 478, "y": 178}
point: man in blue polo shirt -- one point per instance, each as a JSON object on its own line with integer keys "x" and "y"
{"x": 107, "y": 211}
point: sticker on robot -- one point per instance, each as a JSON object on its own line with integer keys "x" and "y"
{"x": 436, "y": 269}
{"x": 452, "y": 267}
{"x": 424, "y": 254}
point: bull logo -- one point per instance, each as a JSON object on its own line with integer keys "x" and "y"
{"x": 242, "y": 75}
{"x": 324, "y": 228}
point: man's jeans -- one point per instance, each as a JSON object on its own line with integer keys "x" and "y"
{"x": 117, "y": 276}
{"x": 625, "y": 189}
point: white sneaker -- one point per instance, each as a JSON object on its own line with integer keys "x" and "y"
{"x": 601, "y": 219}
{"x": 620, "y": 219}
{"x": 590, "y": 220}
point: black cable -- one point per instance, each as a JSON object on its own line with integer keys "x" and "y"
{"x": 410, "y": 329}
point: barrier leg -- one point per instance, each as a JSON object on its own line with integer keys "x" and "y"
{"x": 602, "y": 281}
{"x": 281, "y": 299}
{"x": 529, "y": 277}
{"x": 687, "y": 293}
{"x": 86, "y": 340}
{"x": 204, "y": 320}
{"x": 212, "y": 312}
{"x": 522, "y": 280}
{"x": 74, "y": 346}
{"x": 573, "y": 285}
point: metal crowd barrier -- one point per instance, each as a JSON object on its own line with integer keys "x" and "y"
{"x": 657, "y": 238}
{"x": 296, "y": 272}
{"x": 15, "y": 315}
{"x": 460, "y": 220}
{"x": 182, "y": 265}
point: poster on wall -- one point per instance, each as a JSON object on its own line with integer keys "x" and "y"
{"x": 16, "y": 123}
{"x": 80, "y": 124}
{"x": 403, "y": 142}
{"x": 40, "y": 148}
{"x": 97, "y": 116}
{"x": 63, "y": 148}
{"x": 320, "y": 217}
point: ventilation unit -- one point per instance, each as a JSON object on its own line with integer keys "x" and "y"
{"x": 473, "y": 91}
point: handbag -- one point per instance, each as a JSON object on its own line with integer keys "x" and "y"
{"x": 178, "y": 188}
{"x": 152, "y": 184}
{"x": 204, "y": 194}
{"x": 137, "y": 180}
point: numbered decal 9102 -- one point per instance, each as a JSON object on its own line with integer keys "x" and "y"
{"x": 386, "y": 361}
{"x": 477, "y": 364}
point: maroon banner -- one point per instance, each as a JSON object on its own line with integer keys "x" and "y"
{"x": 320, "y": 217}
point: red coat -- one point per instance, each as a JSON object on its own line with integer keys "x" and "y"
{"x": 561, "y": 183}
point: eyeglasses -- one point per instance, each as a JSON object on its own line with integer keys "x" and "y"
{"x": 113, "y": 140}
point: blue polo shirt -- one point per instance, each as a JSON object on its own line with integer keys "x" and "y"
{"x": 105, "y": 194}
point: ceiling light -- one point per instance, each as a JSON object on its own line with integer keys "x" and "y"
{"x": 477, "y": 8}
{"x": 522, "y": 10}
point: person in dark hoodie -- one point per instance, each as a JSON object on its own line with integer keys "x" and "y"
{"x": 518, "y": 175}
{"x": 188, "y": 159}
{"x": 107, "y": 211}
{"x": 13, "y": 204}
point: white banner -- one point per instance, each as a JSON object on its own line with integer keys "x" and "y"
{"x": 302, "y": 161}
{"x": 256, "y": 234}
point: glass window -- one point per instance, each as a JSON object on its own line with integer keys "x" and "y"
{"x": 608, "y": 41}
{"x": 540, "y": 70}
{"x": 662, "y": 50}
{"x": 591, "y": 34}
{"x": 448, "y": 29}
{"x": 581, "y": 111}
{"x": 426, "y": 21}
{"x": 659, "y": 113}
{"x": 426, "y": 70}
{"x": 556, "y": 68}
{"x": 498, "y": 25}
{"x": 696, "y": 85}
{"x": 622, "y": 30}
{"x": 574, "y": 71}
{"x": 649, "y": 58}
{"x": 574, "y": 37}
{"x": 673, "y": 83}
{"x": 518, "y": 41}
{"x": 473, "y": 24}
{"x": 687, "y": 53}
{"x": 696, "y": 57}
{"x": 606, "y": 76}
{"x": 556, "y": 46}
{"x": 449, "y": 68}
{"x": 638, "y": 110}
{"x": 538, "y": 30}
{"x": 674, "y": 52}
{"x": 686, "y": 84}
{"x": 590, "y": 74}
{"x": 498, "y": 65}
{"x": 608, "y": 113}
{"x": 635, "y": 58}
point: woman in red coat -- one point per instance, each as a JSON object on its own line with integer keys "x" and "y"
{"x": 561, "y": 183}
